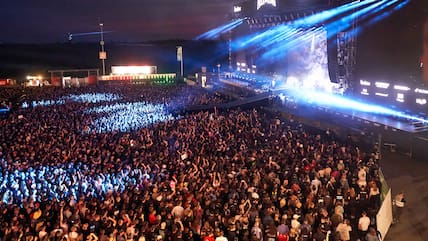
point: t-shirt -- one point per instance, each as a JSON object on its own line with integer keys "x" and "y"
{"x": 364, "y": 223}
{"x": 399, "y": 201}
{"x": 344, "y": 230}
{"x": 305, "y": 230}
{"x": 295, "y": 224}
{"x": 152, "y": 218}
{"x": 208, "y": 238}
{"x": 177, "y": 212}
{"x": 282, "y": 237}
{"x": 363, "y": 195}
{"x": 221, "y": 238}
{"x": 270, "y": 237}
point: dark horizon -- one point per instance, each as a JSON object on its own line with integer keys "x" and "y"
{"x": 19, "y": 60}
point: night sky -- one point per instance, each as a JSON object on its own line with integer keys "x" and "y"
{"x": 47, "y": 21}
{"x": 388, "y": 49}
{"x": 50, "y": 21}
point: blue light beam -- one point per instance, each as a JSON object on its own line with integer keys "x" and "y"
{"x": 215, "y": 33}
{"x": 285, "y": 31}
{"x": 291, "y": 41}
{"x": 329, "y": 14}
{"x": 346, "y": 22}
{"x": 378, "y": 18}
{"x": 341, "y": 102}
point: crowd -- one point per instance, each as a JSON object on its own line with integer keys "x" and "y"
{"x": 235, "y": 175}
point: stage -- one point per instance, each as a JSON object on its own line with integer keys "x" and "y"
{"x": 396, "y": 133}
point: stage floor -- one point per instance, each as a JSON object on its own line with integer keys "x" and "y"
{"x": 374, "y": 119}
{"x": 377, "y": 120}
{"x": 309, "y": 109}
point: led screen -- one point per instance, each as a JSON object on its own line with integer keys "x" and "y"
{"x": 308, "y": 60}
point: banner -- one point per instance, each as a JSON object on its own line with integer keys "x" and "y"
{"x": 103, "y": 55}
{"x": 384, "y": 215}
{"x": 179, "y": 53}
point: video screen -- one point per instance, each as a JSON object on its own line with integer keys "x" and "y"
{"x": 308, "y": 61}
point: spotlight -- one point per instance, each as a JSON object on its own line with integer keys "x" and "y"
{"x": 400, "y": 97}
{"x": 365, "y": 92}
{"x": 365, "y": 83}
{"x": 382, "y": 85}
{"x": 400, "y": 87}
{"x": 421, "y": 91}
{"x": 381, "y": 94}
{"x": 421, "y": 101}
{"x": 237, "y": 9}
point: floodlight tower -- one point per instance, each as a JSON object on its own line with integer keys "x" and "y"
{"x": 102, "y": 54}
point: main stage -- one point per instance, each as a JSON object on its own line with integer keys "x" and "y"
{"x": 277, "y": 47}
{"x": 397, "y": 133}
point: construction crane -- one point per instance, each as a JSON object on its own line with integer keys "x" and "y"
{"x": 102, "y": 53}
{"x": 72, "y": 35}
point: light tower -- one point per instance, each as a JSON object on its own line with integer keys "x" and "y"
{"x": 102, "y": 54}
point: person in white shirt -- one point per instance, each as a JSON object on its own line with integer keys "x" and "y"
{"x": 221, "y": 237}
{"x": 398, "y": 203}
{"x": 178, "y": 211}
{"x": 295, "y": 224}
{"x": 363, "y": 225}
{"x": 316, "y": 183}
{"x": 344, "y": 229}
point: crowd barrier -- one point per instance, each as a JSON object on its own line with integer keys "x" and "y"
{"x": 384, "y": 215}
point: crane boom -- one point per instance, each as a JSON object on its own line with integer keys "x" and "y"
{"x": 71, "y": 35}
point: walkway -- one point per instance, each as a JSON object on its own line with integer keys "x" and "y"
{"x": 410, "y": 176}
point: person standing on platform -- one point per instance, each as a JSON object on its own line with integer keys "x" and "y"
{"x": 398, "y": 203}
